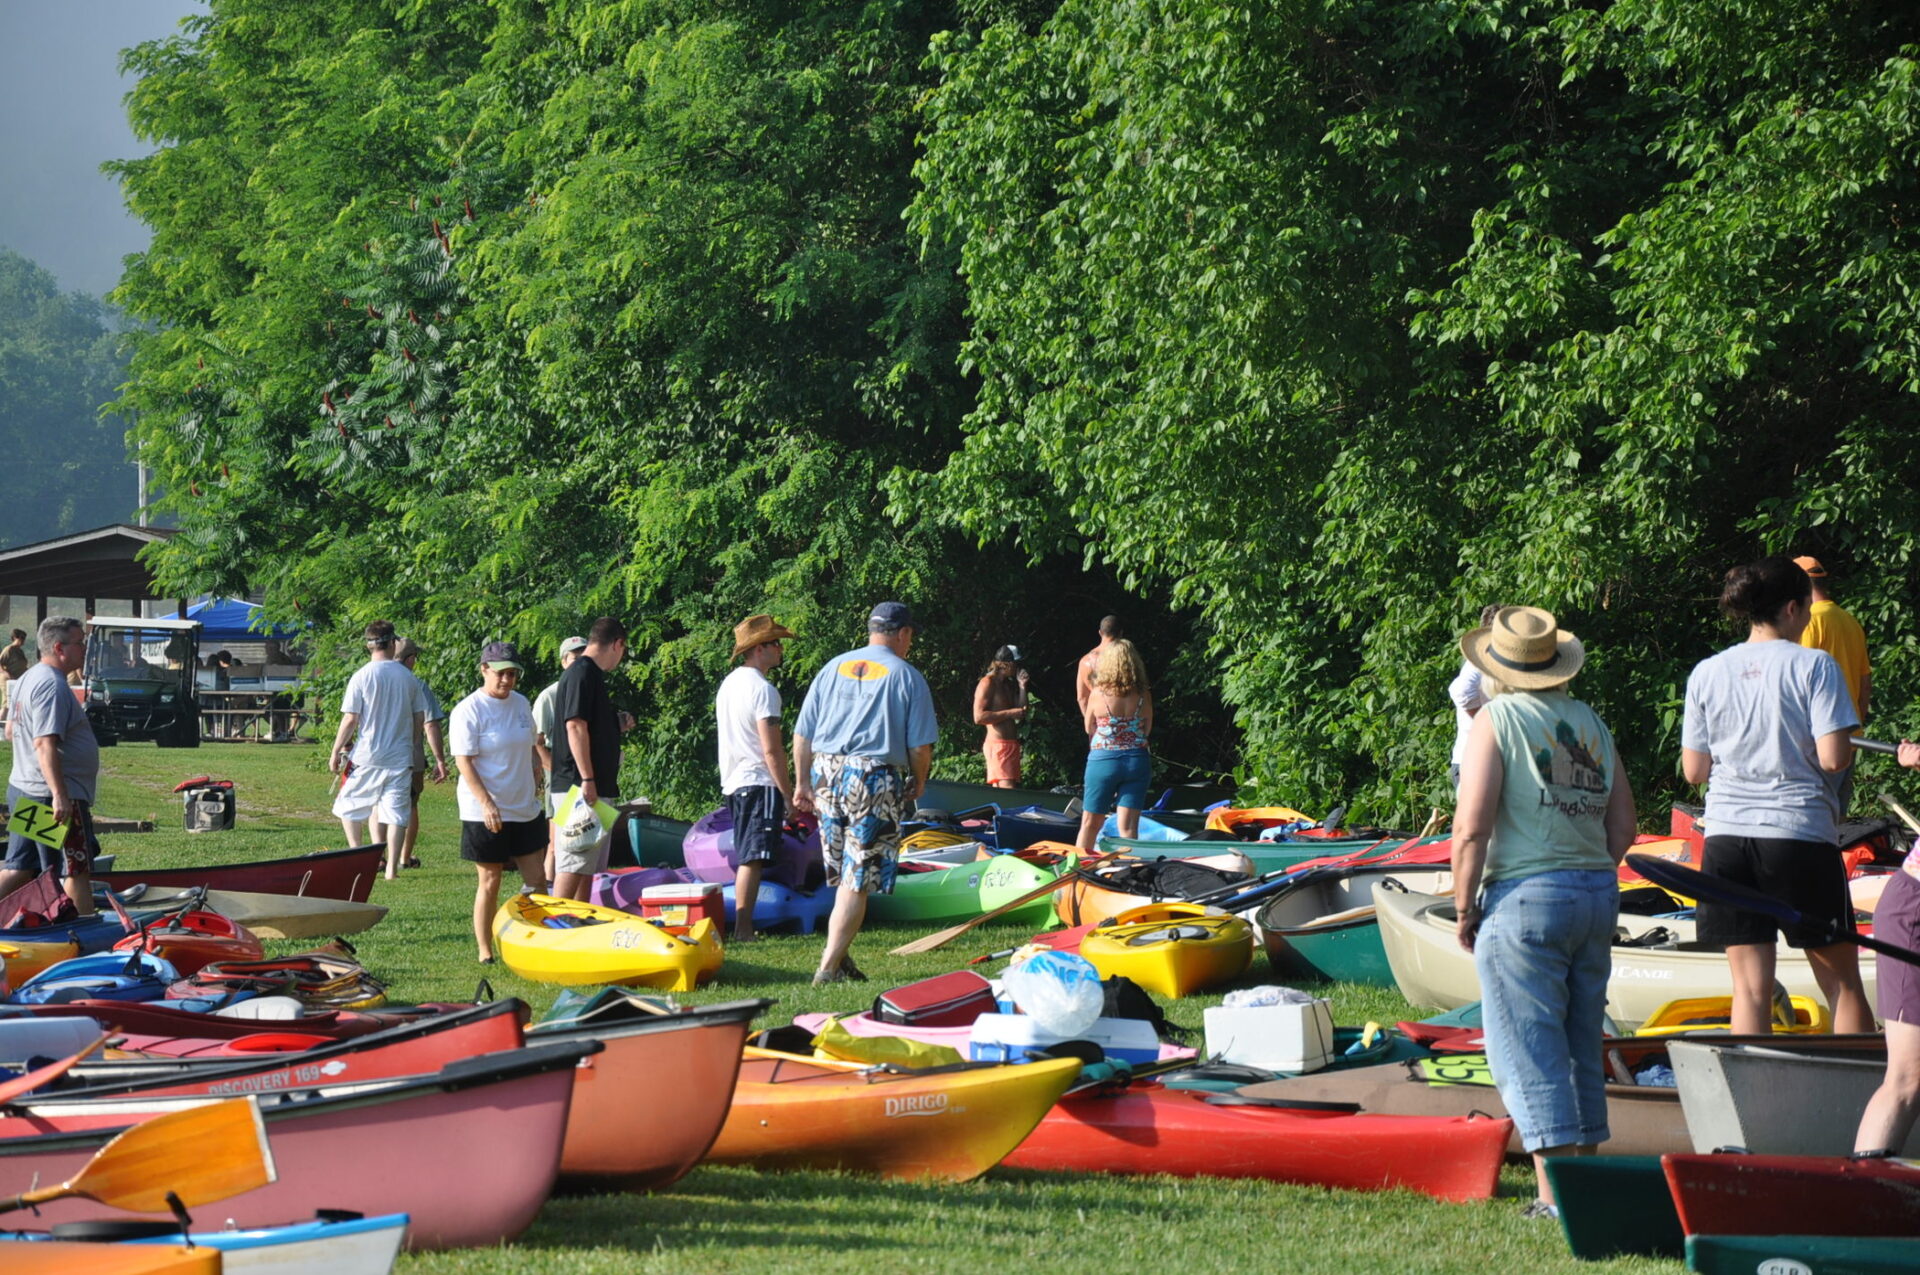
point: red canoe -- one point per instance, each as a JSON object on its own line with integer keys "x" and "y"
{"x": 416, "y": 1048}
{"x": 1154, "y": 1130}
{"x": 470, "y": 1153}
{"x": 325, "y": 874}
{"x": 149, "y": 1026}
{"x": 1794, "y": 1195}
{"x": 646, "y": 1109}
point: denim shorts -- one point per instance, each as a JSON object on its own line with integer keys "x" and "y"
{"x": 1544, "y": 953}
{"x": 1116, "y": 777}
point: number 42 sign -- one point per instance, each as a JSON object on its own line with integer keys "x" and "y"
{"x": 35, "y": 822}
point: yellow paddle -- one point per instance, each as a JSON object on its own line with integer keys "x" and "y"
{"x": 198, "y": 1156}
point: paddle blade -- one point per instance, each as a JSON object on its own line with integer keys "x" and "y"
{"x": 1695, "y": 884}
{"x": 202, "y": 1154}
{"x": 940, "y": 938}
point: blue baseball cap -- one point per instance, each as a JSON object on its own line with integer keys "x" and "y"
{"x": 891, "y": 615}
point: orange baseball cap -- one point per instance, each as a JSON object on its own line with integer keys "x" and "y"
{"x": 1811, "y": 566}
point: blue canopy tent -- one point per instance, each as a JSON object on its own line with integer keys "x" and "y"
{"x": 234, "y": 620}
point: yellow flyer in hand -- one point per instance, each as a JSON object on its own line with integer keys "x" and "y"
{"x": 35, "y": 822}
{"x": 568, "y": 811}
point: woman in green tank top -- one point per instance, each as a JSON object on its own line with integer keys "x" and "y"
{"x": 1545, "y": 816}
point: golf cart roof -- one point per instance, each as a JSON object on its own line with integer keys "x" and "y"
{"x": 138, "y": 622}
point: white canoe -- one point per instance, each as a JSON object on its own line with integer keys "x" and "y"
{"x": 1786, "y": 1099}
{"x": 1418, "y": 931}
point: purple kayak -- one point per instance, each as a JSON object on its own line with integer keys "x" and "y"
{"x": 796, "y": 864}
{"x": 621, "y": 888}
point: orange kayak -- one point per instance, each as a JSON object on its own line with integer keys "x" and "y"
{"x": 791, "y": 1112}
{"x": 1083, "y": 903}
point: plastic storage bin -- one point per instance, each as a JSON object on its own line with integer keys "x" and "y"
{"x": 1295, "y": 1038}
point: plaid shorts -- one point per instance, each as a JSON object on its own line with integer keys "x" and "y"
{"x": 861, "y": 801}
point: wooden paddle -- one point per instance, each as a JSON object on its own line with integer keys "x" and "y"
{"x": 197, "y": 1156}
{"x": 1906, "y": 817}
{"x": 32, "y": 1080}
{"x": 940, "y": 938}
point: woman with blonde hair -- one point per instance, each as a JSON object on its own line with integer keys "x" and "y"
{"x": 1118, "y": 718}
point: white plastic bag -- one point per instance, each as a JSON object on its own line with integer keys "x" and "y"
{"x": 1060, "y": 991}
{"x": 580, "y": 827}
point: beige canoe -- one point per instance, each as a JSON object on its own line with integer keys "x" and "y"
{"x": 1418, "y": 931}
{"x": 272, "y": 916}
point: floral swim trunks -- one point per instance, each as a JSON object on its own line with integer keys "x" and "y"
{"x": 861, "y": 801}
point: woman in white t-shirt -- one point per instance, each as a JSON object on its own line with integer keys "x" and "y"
{"x": 1766, "y": 729}
{"x": 501, "y": 819}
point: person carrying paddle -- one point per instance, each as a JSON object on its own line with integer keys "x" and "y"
{"x": 1889, "y": 1117}
{"x": 862, "y": 748}
{"x": 753, "y": 761}
{"x": 1545, "y": 816}
{"x": 1766, "y": 728}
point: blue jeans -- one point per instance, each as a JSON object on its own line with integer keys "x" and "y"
{"x": 1543, "y": 954}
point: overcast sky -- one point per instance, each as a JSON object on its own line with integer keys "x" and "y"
{"x": 60, "y": 98}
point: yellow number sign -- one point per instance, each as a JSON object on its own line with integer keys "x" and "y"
{"x": 1456, "y": 1069}
{"x": 35, "y": 822}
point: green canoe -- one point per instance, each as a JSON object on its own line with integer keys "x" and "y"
{"x": 1266, "y": 856}
{"x": 1325, "y": 927}
{"x": 1802, "y": 1255}
{"x": 1616, "y": 1205}
{"x": 944, "y": 896}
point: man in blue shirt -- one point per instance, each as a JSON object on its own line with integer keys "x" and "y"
{"x": 861, "y": 751}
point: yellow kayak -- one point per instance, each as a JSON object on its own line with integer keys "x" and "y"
{"x": 791, "y": 1112}
{"x": 550, "y": 940}
{"x": 22, "y": 960}
{"x": 1175, "y": 949}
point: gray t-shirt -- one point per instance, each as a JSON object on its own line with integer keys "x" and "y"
{"x": 1757, "y": 709}
{"x": 43, "y": 704}
{"x": 386, "y": 696}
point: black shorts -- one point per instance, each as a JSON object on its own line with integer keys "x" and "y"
{"x": 1808, "y": 876}
{"x": 758, "y": 811}
{"x": 513, "y": 841}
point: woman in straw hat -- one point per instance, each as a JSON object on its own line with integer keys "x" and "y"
{"x": 1767, "y": 730}
{"x": 1545, "y": 815}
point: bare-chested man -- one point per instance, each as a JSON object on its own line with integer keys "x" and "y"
{"x": 1000, "y": 705}
{"x": 1111, "y": 631}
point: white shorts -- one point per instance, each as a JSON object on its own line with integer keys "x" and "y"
{"x": 383, "y": 792}
{"x": 583, "y": 863}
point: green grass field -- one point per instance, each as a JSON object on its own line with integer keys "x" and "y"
{"x": 739, "y": 1220}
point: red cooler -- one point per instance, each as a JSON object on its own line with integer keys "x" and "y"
{"x": 683, "y": 904}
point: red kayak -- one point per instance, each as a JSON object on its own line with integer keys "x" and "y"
{"x": 415, "y": 1048}
{"x": 1147, "y": 1130}
{"x": 150, "y": 1027}
{"x": 1794, "y": 1195}
{"x": 190, "y": 941}
{"x": 470, "y": 1153}
{"x": 325, "y": 874}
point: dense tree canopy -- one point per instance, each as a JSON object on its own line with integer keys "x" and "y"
{"x": 60, "y": 359}
{"x": 1297, "y": 331}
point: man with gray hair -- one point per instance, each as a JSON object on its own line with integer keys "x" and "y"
{"x": 56, "y": 763}
{"x": 862, "y": 748}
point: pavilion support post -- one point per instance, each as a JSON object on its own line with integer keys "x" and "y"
{"x": 39, "y": 609}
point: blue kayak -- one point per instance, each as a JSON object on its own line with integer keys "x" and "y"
{"x": 776, "y": 906}
{"x": 106, "y": 976}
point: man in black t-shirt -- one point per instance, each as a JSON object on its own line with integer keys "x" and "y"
{"x": 586, "y": 745}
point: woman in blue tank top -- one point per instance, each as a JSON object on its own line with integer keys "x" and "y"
{"x": 1545, "y": 816}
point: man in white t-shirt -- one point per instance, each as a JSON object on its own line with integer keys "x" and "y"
{"x": 753, "y": 760}
{"x": 1468, "y": 699}
{"x": 383, "y": 714}
{"x": 543, "y": 729}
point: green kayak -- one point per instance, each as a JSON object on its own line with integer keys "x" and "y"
{"x": 944, "y": 896}
{"x": 1325, "y": 927}
{"x": 1616, "y": 1205}
{"x": 1802, "y": 1255}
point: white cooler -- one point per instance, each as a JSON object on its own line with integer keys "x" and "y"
{"x": 1011, "y": 1037}
{"x": 1297, "y": 1038}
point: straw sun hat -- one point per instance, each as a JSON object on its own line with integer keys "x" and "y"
{"x": 1524, "y": 648}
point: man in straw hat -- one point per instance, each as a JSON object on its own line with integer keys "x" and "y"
{"x": 1545, "y": 816}
{"x": 862, "y": 748}
{"x": 753, "y": 761}
{"x": 1832, "y": 629}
